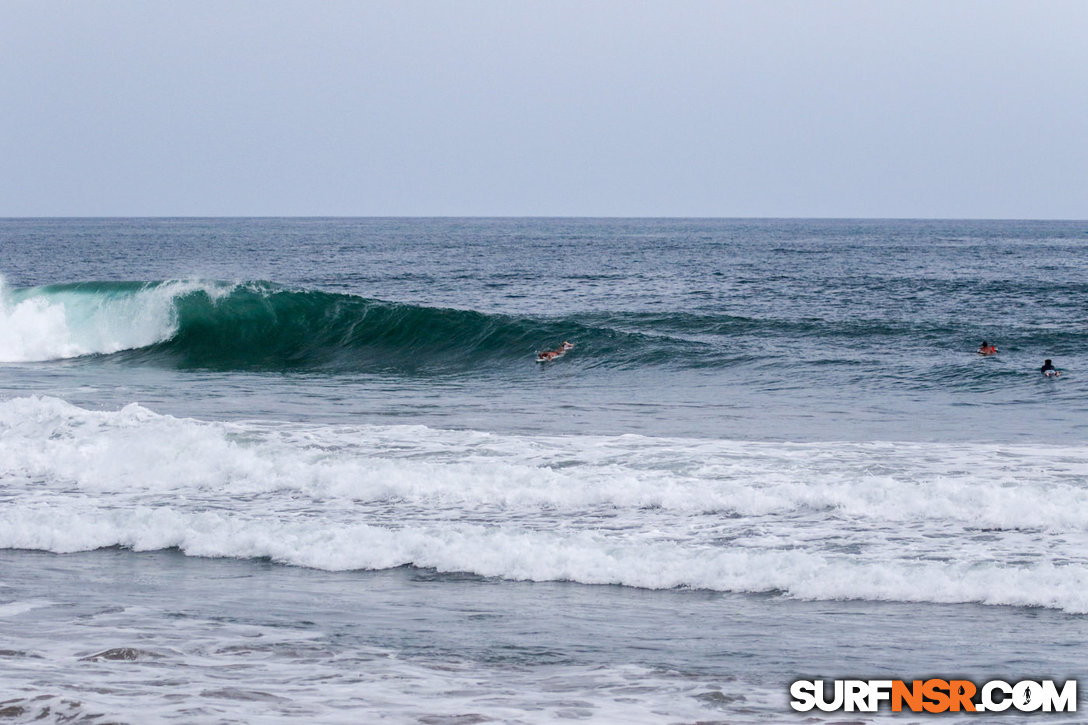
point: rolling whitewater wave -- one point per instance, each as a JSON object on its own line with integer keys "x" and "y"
{"x": 935, "y": 522}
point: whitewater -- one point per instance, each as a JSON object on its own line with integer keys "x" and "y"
{"x": 878, "y": 521}
{"x": 40, "y": 324}
{"x": 269, "y": 470}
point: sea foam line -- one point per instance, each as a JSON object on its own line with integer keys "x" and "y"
{"x": 582, "y": 557}
{"x": 918, "y": 521}
{"x": 135, "y": 452}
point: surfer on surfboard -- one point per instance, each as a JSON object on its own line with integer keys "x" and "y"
{"x": 548, "y": 355}
{"x": 1049, "y": 370}
{"x": 987, "y": 349}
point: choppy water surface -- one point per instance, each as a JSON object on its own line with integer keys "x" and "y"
{"x": 336, "y": 435}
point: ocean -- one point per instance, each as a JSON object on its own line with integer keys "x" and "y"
{"x": 268, "y": 470}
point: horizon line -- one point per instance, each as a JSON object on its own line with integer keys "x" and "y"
{"x": 545, "y": 217}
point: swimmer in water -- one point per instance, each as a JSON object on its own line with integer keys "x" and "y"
{"x": 1049, "y": 370}
{"x": 986, "y": 349}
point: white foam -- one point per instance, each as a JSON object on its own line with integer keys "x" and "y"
{"x": 222, "y": 676}
{"x": 52, "y": 323}
{"x": 13, "y": 609}
{"x": 997, "y": 524}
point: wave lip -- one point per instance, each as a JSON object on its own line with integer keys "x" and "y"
{"x": 267, "y": 327}
{"x": 261, "y": 326}
{"x": 249, "y": 325}
{"x": 57, "y": 322}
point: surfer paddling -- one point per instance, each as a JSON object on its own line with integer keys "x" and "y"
{"x": 548, "y": 355}
{"x": 987, "y": 349}
{"x": 1049, "y": 370}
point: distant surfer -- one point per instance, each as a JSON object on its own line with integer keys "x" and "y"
{"x": 1049, "y": 370}
{"x": 548, "y": 355}
{"x": 987, "y": 349}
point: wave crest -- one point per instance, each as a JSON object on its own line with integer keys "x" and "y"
{"x": 56, "y": 322}
{"x": 263, "y": 326}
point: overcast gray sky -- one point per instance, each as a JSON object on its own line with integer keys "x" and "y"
{"x": 921, "y": 108}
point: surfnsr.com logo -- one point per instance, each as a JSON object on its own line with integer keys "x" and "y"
{"x": 934, "y": 696}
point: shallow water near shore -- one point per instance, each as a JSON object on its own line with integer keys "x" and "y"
{"x": 158, "y": 635}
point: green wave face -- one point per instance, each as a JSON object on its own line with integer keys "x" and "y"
{"x": 260, "y": 326}
{"x": 263, "y": 326}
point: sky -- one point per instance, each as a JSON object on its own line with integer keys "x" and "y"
{"x": 769, "y": 108}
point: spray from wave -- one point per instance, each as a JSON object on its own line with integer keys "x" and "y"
{"x": 55, "y": 322}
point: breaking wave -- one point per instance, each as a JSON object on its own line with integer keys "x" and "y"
{"x": 263, "y": 326}
{"x": 989, "y": 523}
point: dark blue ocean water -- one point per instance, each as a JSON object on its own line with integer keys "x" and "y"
{"x": 264, "y": 470}
{"x": 793, "y": 330}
